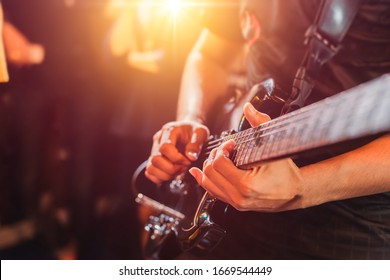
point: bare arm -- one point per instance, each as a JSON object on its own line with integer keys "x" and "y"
{"x": 204, "y": 82}
{"x": 205, "y": 75}
{"x": 281, "y": 185}
{"x": 361, "y": 172}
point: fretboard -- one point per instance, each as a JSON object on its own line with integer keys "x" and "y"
{"x": 358, "y": 112}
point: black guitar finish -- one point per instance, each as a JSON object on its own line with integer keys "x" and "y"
{"x": 194, "y": 219}
{"x": 178, "y": 217}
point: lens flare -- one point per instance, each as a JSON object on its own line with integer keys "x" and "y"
{"x": 174, "y": 6}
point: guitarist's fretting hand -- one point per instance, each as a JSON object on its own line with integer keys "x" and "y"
{"x": 175, "y": 146}
{"x": 271, "y": 187}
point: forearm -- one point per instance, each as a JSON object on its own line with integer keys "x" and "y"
{"x": 361, "y": 172}
{"x": 202, "y": 84}
{"x": 205, "y": 77}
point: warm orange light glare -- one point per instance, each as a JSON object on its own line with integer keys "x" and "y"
{"x": 174, "y": 6}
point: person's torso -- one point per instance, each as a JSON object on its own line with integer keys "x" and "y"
{"x": 277, "y": 47}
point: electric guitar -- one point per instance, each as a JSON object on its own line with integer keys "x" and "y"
{"x": 188, "y": 218}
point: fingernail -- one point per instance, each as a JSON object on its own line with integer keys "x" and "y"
{"x": 192, "y": 172}
{"x": 193, "y": 155}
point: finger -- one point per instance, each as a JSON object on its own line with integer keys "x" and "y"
{"x": 167, "y": 136}
{"x": 205, "y": 183}
{"x": 168, "y": 145}
{"x": 254, "y": 117}
{"x": 219, "y": 183}
{"x": 197, "y": 174}
{"x": 172, "y": 154}
{"x": 223, "y": 151}
{"x": 211, "y": 157}
{"x": 238, "y": 202}
{"x": 215, "y": 182}
{"x": 156, "y": 143}
{"x": 165, "y": 165}
{"x": 225, "y": 167}
{"x": 152, "y": 178}
{"x": 199, "y": 136}
{"x": 226, "y": 148}
{"x": 222, "y": 155}
{"x": 157, "y": 173}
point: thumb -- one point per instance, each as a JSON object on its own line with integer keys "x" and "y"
{"x": 254, "y": 117}
{"x": 197, "y": 174}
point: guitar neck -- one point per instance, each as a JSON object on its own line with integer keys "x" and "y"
{"x": 359, "y": 112}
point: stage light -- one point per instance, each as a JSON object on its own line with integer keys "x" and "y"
{"x": 174, "y": 6}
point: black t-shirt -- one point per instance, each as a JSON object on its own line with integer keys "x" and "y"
{"x": 356, "y": 228}
{"x": 279, "y": 47}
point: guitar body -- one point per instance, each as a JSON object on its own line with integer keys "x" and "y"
{"x": 191, "y": 219}
{"x": 185, "y": 217}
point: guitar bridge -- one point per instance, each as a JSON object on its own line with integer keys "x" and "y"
{"x": 161, "y": 226}
{"x": 161, "y": 229}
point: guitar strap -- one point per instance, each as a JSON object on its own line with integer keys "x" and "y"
{"x": 323, "y": 39}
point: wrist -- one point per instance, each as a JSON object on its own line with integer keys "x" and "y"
{"x": 198, "y": 118}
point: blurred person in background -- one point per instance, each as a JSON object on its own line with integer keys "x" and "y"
{"x": 20, "y": 237}
{"x": 91, "y": 81}
{"x": 62, "y": 171}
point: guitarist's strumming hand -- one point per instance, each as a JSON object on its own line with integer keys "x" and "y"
{"x": 175, "y": 146}
{"x": 271, "y": 187}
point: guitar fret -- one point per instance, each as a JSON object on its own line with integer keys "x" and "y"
{"x": 251, "y": 146}
{"x": 239, "y": 152}
{"x": 258, "y": 144}
{"x": 244, "y": 147}
{"x": 282, "y": 142}
{"x": 305, "y": 132}
{"x": 258, "y": 152}
{"x": 275, "y": 143}
{"x": 285, "y": 142}
{"x": 327, "y": 114}
{"x": 267, "y": 145}
{"x": 342, "y": 117}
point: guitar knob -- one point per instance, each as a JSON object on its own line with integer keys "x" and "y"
{"x": 178, "y": 185}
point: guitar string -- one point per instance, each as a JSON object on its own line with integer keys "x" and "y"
{"x": 329, "y": 102}
{"x": 295, "y": 116}
{"x": 242, "y": 158}
{"x": 276, "y": 128}
{"x": 243, "y": 135}
{"x": 279, "y": 122}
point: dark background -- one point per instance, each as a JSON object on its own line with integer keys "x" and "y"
{"x": 75, "y": 128}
